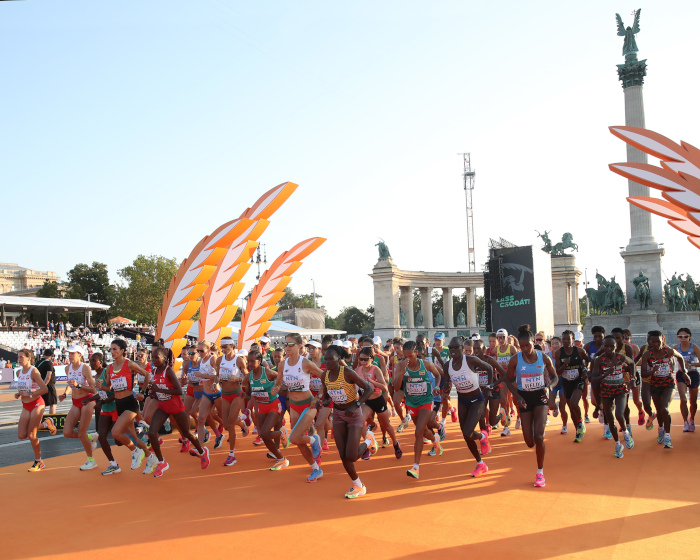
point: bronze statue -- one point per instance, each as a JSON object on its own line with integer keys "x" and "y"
{"x": 642, "y": 291}
{"x": 629, "y": 47}
{"x": 383, "y": 249}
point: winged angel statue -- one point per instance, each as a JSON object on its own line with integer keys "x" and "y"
{"x": 629, "y": 47}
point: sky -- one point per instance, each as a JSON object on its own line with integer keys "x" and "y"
{"x": 138, "y": 127}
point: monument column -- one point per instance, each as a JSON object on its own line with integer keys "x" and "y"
{"x": 447, "y": 308}
{"x": 471, "y": 307}
{"x": 406, "y": 305}
{"x": 642, "y": 252}
{"x": 426, "y": 306}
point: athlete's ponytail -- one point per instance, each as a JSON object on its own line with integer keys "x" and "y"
{"x": 524, "y": 333}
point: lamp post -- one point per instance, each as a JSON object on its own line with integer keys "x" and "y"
{"x": 89, "y": 312}
{"x": 588, "y": 302}
{"x": 314, "y": 285}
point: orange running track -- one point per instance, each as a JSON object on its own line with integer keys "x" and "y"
{"x": 644, "y": 506}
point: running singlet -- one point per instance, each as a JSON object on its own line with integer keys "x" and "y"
{"x": 530, "y": 377}
{"x": 341, "y": 391}
{"x": 445, "y": 354}
{"x": 465, "y": 379}
{"x": 373, "y": 373}
{"x": 296, "y": 380}
{"x": 77, "y": 375}
{"x": 691, "y": 360}
{"x": 663, "y": 377}
{"x": 573, "y": 369}
{"x": 162, "y": 381}
{"x": 142, "y": 378}
{"x": 503, "y": 357}
{"x": 123, "y": 379}
{"x": 260, "y": 388}
{"x": 615, "y": 379}
{"x": 206, "y": 368}
{"x": 25, "y": 383}
{"x": 192, "y": 372}
{"x": 417, "y": 386}
{"x": 228, "y": 370}
{"x": 104, "y": 395}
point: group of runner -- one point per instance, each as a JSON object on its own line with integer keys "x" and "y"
{"x": 350, "y": 392}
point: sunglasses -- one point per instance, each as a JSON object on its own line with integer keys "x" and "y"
{"x": 364, "y": 359}
{"x": 225, "y": 345}
{"x": 200, "y": 351}
{"x": 290, "y": 343}
{"x": 683, "y": 336}
{"x": 190, "y": 353}
{"x": 539, "y": 339}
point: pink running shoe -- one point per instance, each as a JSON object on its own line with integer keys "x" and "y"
{"x": 219, "y": 430}
{"x": 230, "y": 461}
{"x": 185, "y": 446}
{"x": 204, "y": 457}
{"x": 453, "y": 414}
{"x": 325, "y": 445}
{"x": 160, "y": 469}
{"x": 539, "y": 480}
{"x": 485, "y": 446}
{"x": 480, "y": 470}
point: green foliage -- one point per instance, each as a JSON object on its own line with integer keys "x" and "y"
{"x": 290, "y": 300}
{"x": 49, "y": 290}
{"x": 146, "y": 281}
{"x": 353, "y": 320}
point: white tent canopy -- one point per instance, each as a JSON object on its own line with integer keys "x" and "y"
{"x": 17, "y": 303}
{"x": 277, "y": 329}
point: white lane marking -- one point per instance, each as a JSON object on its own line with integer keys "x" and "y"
{"x": 27, "y": 441}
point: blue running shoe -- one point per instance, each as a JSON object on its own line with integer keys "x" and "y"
{"x": 316, "y": 446}
{"x": 315, "y": 475}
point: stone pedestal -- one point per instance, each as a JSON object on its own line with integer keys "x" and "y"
{"x": 565, "y": 277}
{"x": 386, "y": 299}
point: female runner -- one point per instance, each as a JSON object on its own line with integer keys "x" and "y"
{"x": 261, "y": 384}
{"x": 296, "y": 375}
{"x": 30, "y": 387}
{"x": 376, "y": 403}
{"x": 141, "y": 392}
{"x": 232, "y": 370}
{"x": 211, "y": 394}
{"x": 505, "y": 350}
{"x": 570, "y": 362}
{"x": 82, "y": 386}
{"x": 533, "y": 372}
{"x": 411, "y": 378}
{"x": 691, "y": 355}
{"x": 120, "y": 379}
{"x": 190, "y": 375}
{"x": 491, "y": 394}
{"x": 612, "y": 370}
{"x": 323, "y": 417}
{"x": 463, "y": 371}
{"x": 165, "y": 387}
{"x": 657, "y": 367}
{"x": 340, "y": 384}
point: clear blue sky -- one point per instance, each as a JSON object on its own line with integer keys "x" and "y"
{"x": 139, "y": 127}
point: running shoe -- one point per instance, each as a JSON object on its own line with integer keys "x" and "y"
{"x": 539, "y": 480}
{"x": 546, "y": 423}
{"x": 315, "y": 475}
{"x": 185, "y": 446}
{"x": 204, "y": 457}
{"x": 255, "y": 430}
{"x": 685, "y": 426}
{"x": 485, "y": 446}
{"x": 385, "y": 442}
{"x": 505, "y": 432}
{"x": 618, "y": 451}
{"x": 258, "y": 441}
{"x": 271, "y": 455}
{"x": 555, "y": 412}
{"x": 564, "y": 430}
{"x": 371, "y": 427}
{"x": 489, "y": 430}
{"x": 453, "y": 414}
{"x": 93, "y": 441}
{"x": 366, "y": 455}
{"x": 284, "y": 438}
{"x": 167, "y": 427}
{"x": 660, "y": 437}
{"x": 219, "y": 441}
{"x": 136, "y": 458}
{"x": 640, "y": 420}
{"x": 111, "y": 469}
{"x": 50, "y": 426}
{"x": 412, "y": 473}
{"x": 160, "y": 469}
{"x": 441, "y": 432}
{"x": 219, "y": 430}
{"x": 325, "y": 444}
{"x": 316, "y": 445}
{"x": 650, "y": 421}
{"x": 373, "y": 447}
{"x": 583, "y": 427}
{"x": 207, "y": 436}
{"x": 356, "y": 492}
{"x": 151, "y": 464}
{"x": 37, "y": 466}
{"x": 280, "y": 464}
{"x": 504, "y": 419}
{"x": 245, "y": 430}
{"x": 397, "y": 450}
{"x": 248, "y": 421}
{"x": 587, "y": 419}
{"x": 231, "y": 460}
{"x": 595, "y": 413}
{"x": 629, "y": 442}
{"x": 480, "y": 470}
{"x": 89, "y": 464}
{"x": 691, "y": 424}
{"x": 606, "y": 432}
{"x": 579, "y": 435}
{"x": 426, "y": 441}
{"x": 402, "y": 426}
{"x": 667, "y": 442}
{"x": 517, "y": 424}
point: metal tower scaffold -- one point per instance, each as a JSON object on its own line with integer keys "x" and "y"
{"x": 469, "y": 177}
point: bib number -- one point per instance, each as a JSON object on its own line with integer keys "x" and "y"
{"x": 483, "y": 380}
{"x": 262, "y": 396}
{"x": 338, "y": 395}
{"x": 570, "y": 374}
{"x": 119, "y": 384}
{"x": 417, "y": 389}
{"x": 163, "y": 396}
{"x": 532, "y": 383}
{"x": 294, "y": 384}
{"x": 103, "y": 395}
{"x": 225, "y": 374}
{"x": 664, "y": 370}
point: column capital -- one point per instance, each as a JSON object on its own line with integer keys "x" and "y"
{"x": 632, "y": 73}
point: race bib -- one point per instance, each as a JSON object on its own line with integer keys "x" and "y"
{"x": 614, "y": 379}
{"x": 315, "y": 384}
{"x": 532, "y": 383}
{"x": 570, "y": 374}
{"x": 664, "y": 370}
{"x": 119, "y": 384}
{"x": 294, "y": 383}
{"x": 192, "y": 376}
{"x": 339, "y": 396}
{"x": 103, "y": 396}
{"x": 260, "y": 395}
{"x": 163, "y": 396}
{"x": 141, "y": 378}
{"x": 483, "y": 379}
{"x": 417, "y": 389}
{"x": 225, "y": 374}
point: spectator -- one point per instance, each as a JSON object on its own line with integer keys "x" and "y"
{"x": 48, "y": 374}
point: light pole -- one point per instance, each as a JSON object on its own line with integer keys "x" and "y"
{"x": 89, "y": 312}
{"x": 314, "y": 285}
{"x": 588, "y": 302}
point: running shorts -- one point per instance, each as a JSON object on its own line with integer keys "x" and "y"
{"x": 377, "y": 405}
{"x": 571, "y": 386}
{"x": 111, "y": 414}
{"x": 694, "y": 379}
{"x": 229, "y": 396}
{"x": 658, "y": 391}
{"x": 301, "y": 406}
{"x": 212, "y": 396}
{"x": 283, "y": 402}
{"x": 414, "y": 409}
{"x": 274, "y": 406}
{"x": 559, "y": 387}
{"x": 172, "y": 406}
{"x": 464, "y": 400}
{"x": 197, "y": 394}
{"x": 31, "y": 405}
{"x": 50, "y": 397}
{"x": 341, "y": 417}
{"x": 533, "y": 399}
{"x": 608, "y": 393}
{"x": 79, "y": 402}
{"x": 125, "y": 404}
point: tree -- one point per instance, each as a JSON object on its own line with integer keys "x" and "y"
{"x": 86, "y": 279}
{"x": 146, "y": 282}
{"x": 353, "y": 320}
{"x": 49, "y": 290}
{"x": 370, "y": 316}
{"x": 290, "y": 300}
{"x": 331, "y": 323}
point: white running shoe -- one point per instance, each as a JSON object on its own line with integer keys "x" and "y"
{"x": 564, "y": 430}
{"x": 505, "y": 432}
{"x": 93, "y": 441}
{"x": 517, "y": 424}
{"x": 151, "y": 464}
{"x": 89, "y": 464}
{"x": 136, "y": 458}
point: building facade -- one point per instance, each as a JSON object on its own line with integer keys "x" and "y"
{"x": 15, "y": 278}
